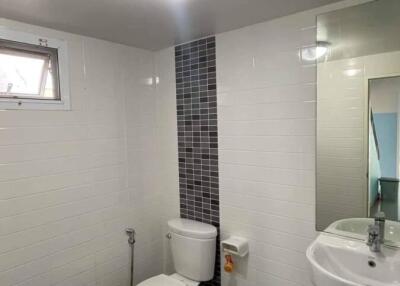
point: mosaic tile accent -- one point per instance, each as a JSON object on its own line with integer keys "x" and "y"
{"x": 196, "y": 97}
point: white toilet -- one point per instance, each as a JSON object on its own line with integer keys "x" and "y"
{"x": 193, "y": 246}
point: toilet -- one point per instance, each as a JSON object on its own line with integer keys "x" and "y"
{"x": 193, "y": 246}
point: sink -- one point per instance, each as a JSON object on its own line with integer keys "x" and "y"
{"x": 357, "y": 228}
{"x": 339, "y": 261}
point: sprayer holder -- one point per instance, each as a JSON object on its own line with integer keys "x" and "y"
{"x": 132, "y": 235}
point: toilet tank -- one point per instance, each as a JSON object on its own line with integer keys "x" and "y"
{"x": 193, "y": 246}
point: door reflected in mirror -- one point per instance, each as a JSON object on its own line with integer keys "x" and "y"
{"x": 384, "y": 155}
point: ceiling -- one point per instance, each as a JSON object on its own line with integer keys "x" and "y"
{"x": 367, "y": 29}
{"x": 150, "y": 24}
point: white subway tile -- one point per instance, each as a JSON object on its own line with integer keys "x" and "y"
{"x": 65, "y": 197}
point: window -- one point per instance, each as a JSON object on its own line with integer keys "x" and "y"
{"x": 33, "y": 72}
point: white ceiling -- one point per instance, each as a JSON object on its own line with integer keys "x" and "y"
{"x": 150, "y": 24}
{"x": 367, "y": 29}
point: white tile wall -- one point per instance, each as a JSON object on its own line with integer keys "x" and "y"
{"x": 341, "y": 115}
{"x": 168, "y": 144}
{"x": 266, "y": 118}
{"x": 143, "y": 168}
{"x": 71, "y": 182}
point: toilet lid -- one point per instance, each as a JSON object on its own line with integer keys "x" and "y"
{"x": 161, "y": 280}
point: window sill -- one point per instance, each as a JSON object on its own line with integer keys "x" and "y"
{"x": 32, "y": 104}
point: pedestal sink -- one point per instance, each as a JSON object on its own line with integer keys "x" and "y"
{"x": 339, "y": 261}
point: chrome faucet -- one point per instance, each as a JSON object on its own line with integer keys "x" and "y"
{"x": 376, "y": 233}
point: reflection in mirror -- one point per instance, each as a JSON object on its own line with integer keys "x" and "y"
{"x": 383, "y": 146}
{"x": 358, "y": 83}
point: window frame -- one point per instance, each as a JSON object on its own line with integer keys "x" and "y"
{"x": 28, "y": 42}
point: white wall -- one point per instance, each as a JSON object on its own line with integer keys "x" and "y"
{"x": 143, "y": 164}
{"x": 266, "y": 117}
{"x": 384, "y": 94}
{"x": 342, "y": 165}
{"x": 167, "y": 138}
{"x": 71, "y": 182}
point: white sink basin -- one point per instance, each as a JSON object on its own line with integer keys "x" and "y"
{"x": 357, "y": 228}
{"x": 339, "y": 261}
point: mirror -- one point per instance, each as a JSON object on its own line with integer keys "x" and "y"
{"x": 358, "y": 112}
{"x": 384, "y": 155}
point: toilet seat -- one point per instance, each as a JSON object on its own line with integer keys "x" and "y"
{"x": 161, "y": 280}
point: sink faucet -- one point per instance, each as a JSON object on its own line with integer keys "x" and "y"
{"x": 376, "y": 233}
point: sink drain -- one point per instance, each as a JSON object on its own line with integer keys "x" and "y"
{"x": 371, "y": 263}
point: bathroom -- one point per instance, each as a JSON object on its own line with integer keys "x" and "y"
{"x": 187, "y": 142}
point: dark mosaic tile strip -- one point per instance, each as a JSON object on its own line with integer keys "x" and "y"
{"x": 196, "y": 97}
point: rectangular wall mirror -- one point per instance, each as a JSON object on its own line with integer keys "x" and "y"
{"x": 358, "y": 113}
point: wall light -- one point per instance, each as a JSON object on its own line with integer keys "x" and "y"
{"x": 313, "y": 53}
{"x": 352, "y": 72}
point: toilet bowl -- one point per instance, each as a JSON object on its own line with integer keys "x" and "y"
{"x": 165, "y": 280}
{"x": 162, "y": 280}
{"x": 193, "y": 246}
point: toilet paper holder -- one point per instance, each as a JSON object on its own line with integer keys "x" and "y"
{"x": 235, "y": 245}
